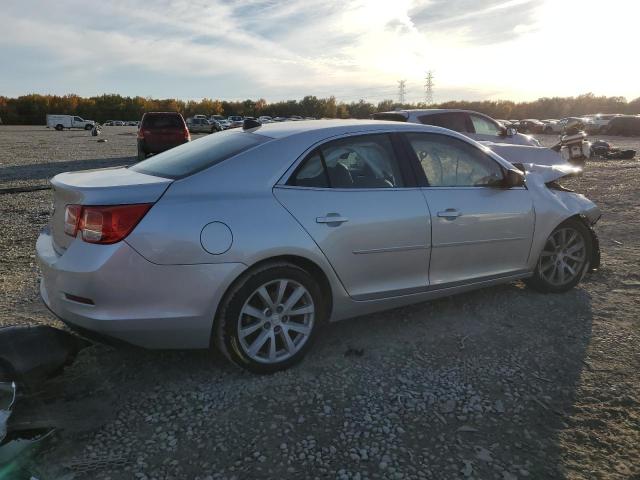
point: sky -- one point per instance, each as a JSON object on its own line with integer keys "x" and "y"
{"x": 352, "y": 49}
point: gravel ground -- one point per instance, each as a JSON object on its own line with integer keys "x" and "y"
{"x": 501, "y": 383}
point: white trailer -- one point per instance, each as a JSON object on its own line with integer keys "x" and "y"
{"x": 60, "y": 122}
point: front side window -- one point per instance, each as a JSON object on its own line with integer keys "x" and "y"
{"x": 449, "y": 162}
{"x": 366, "y": 161}
{"x": 484, "y": 126}
{"x": 77, "y": 119}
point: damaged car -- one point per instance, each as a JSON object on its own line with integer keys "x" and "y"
{"x": 248, "y": 240}
{"x": 474, "y": 125}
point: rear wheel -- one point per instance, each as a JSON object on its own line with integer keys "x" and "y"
{"x": 59, "y": 127}
{"x": 564, "y": 259}
{"x": 141, "y": 154}
{"x": 270, "y": 318}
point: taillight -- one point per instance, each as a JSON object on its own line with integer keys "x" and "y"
{"x": 142, "y": 133}
{"x": 187, "y": 135}
{"x": 104, "y": 224}
{"x": 71, "y": 219}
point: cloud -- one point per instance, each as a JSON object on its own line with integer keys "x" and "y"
{"x": 477, "y": 21}
{"x": 268, "y": 48}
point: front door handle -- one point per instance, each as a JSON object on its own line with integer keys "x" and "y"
{"x": 450, "y": 214}
{"x": 332, "y": 219}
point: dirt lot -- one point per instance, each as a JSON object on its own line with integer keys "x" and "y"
{"x": 501, "y": 383}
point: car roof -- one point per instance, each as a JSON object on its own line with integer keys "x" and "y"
{"x": 426, "y": 111}
{"x": 327, "y": 128}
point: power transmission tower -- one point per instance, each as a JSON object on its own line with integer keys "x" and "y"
{"x": 428, "y": 88}
{"x": 402, "y": 91}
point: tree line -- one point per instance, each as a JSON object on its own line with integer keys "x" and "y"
{"x": 31, "y": 109}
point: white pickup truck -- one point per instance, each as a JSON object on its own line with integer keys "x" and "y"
{"x": 60, "y": 122}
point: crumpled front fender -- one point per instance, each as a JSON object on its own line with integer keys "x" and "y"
{"x": 554, "y": 207}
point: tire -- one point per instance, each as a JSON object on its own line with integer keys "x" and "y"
{"x": 59, "y": 127}
{"x": 270, "y": 343}
{"x": 88, "y": 127}
{"x": 548, "y": 130}
{"x": 566, "y": 237}
{"x": 141, "y": 154}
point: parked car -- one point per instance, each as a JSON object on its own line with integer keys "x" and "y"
{"x": 225, "y": 124}
{"x": 60, "y": 122}
{"x": 473, "y": 124}
{"x": 201, "y": 125}
{"x": 249, "y": 240}
{"x": 599, "y": 123}
{"x": 236, "y": 121}
{"x": 265, "y": 119}
{"x": 160, "y": 131}
{"x": 218, "y": 118}
{"x": 628, "y": 125}
{"x": 552, "y": 126}
{"x": 530, "y": 125}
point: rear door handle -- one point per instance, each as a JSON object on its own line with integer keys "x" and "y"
{"x": 332, "y": 219}
{"x": 450, "y": 214}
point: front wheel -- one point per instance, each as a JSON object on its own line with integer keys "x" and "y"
{"x": 269, "y": 319}
{"x": 564, "y": 259}
{"x": 88, "y": 127}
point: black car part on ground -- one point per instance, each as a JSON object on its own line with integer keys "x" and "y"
{"x": 602, "y": 149}
{"x": 29, "y": 354}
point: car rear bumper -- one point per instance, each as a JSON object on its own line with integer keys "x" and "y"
{"x": 113, "y": 291}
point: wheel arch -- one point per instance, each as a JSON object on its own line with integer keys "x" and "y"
{"x": 304, "y": 263}
{"x": 594, "y": 261}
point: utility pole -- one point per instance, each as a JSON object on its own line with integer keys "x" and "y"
{"x": 402, "y": 91}
{"x": 428, "y": 88}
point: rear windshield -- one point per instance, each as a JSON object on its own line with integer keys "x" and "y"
{"x": 163, "y": 121}
{"x": 192, "y": 157}
{"x": 394, "y": 117}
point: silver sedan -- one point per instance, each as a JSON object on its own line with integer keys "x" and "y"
{"x": 250, "y": 239}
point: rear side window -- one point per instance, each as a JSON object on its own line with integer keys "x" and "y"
{"x": 162, "y": 121}
{"x": 453, "y": 121}
{"x": 195, "y": 156}
{"x": 364, "y": 161}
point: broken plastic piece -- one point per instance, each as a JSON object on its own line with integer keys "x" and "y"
{"x": 29, "y": 353}
{"x": 12, "y": 449}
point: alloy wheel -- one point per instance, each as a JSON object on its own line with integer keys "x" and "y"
{"x": 563, "y": 257}
{"x": 276, "y": 321}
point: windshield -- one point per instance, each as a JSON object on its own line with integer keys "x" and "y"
{"x": 195, "y": 156}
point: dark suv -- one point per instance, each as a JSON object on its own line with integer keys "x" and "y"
{"x": 160, "y": 131}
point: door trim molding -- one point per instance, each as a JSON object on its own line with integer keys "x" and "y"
{"x": 391, "y": 249}
{"x": 474, "y": 242}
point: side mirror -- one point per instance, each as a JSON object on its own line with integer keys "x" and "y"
{"x": 513, "y": 178}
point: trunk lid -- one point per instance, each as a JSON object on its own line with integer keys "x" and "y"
{"x": 108, "y": 186}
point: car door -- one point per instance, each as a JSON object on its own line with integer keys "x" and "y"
{"x": 357, "y": 199}
{"x": 479, "y": 229}
{"x": 486, "y": 129}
